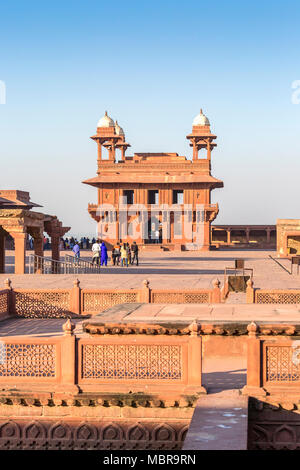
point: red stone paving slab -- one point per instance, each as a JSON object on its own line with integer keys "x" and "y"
{"x": 211, "y": 312}
{"x": 35, "y": 327}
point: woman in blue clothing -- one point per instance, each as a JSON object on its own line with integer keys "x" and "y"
{"x": 103, "y": 254}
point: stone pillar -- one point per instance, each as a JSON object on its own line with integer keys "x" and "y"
{"x": 55, "y": 247}
{"x": 20, "y": 251}
{"x": 75, "y": 304}
{"x": 228, "y": 237}
{"x": 247, "y": 235}
{"x": 195, "y": 359}
{"x": 216, "y": 294}
{"x": 250, "y": 293}
{"x": 99, "y": 153}
{"x": 172, "y": 229}
{"x": 206, "y": 236}
{"x": 145, "y": 293}
{"x": 38, "y": 250}
{"x": 2, "y": 252}
{"x": 208, "y": 150}
{"x": 68, "y": 360}
{"x": 254, "y": 362}
{"x": 195, "y": 151}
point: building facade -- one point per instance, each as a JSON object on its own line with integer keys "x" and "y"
{"x": 159, "y": 185}
{"x": 288, "y": 237}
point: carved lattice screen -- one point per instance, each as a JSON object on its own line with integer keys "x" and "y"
{"x": 27, "y": 360}
{"x": 122, "y": 362}
{"x": 281, "y": 364}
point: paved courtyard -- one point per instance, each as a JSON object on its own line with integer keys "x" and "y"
{"x": 168, "y": 270}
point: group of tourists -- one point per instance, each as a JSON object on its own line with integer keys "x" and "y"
{"x": 122, "y": 253}
{"x": 125, "y": 254}
{"x": 99, "y": 251}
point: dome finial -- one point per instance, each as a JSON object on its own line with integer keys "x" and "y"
{"x": 201, "y": 120}
{"x": 119, "y": 130}
{"x": 105, "y": 121}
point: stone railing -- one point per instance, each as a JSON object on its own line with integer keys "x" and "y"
{"x": 273, "y": 359}
{"x": 62, "y": 303}
{"x": 40, "y": 303}
{"x": 119, "y": 363}
{"x": 271, "y": 296}
{"x": 96, "y": 300}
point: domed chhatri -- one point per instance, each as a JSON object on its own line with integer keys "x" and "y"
{"x": 201, "y": 120}
{"x": 118, "y": 129}
{"x": 105, "y": 121}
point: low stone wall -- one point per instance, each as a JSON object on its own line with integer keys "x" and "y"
{"x": 271, "y": 296}
{"x": 162, "y": 364}
{"x": 134, "y": 390}
{"x": 62, "y": 303}
{"x": 273, "y": 360}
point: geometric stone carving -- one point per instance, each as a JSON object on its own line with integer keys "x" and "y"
{"x": 179, "y": 297}
{"x": 99, "y": 301}
{"x": 3, "y": 302}
{"x": 277, "y": 298}
{"x": 139, "y": 362}
{"x": 42, "y": 304}
{"x": 280, "y": 364}
{"x": 27, "y": 360}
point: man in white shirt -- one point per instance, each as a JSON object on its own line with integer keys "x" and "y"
{"x": 96, "y": 249}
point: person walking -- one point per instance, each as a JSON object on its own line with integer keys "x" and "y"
{"x": 124, "y": 255}
{"x": 76, "y": 251}
{"x": 103, "y": 254}
{"x": 134, "y": 253}
{"x": 96, "y": 249}
{"x": 117, "y": 254}
{"x": 128, "y": 252}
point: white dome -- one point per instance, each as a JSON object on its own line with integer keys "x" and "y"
{"x": 201, "y": 120}
{"x": 119, "y": 130}
{"x": 105, "y": 121}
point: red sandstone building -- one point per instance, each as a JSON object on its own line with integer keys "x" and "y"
{"x": 154, "y": 179}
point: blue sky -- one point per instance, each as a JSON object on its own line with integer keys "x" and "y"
{"x": 152, "y": 65}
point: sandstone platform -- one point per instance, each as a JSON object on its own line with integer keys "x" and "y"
{"x": 167, "y": 270}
